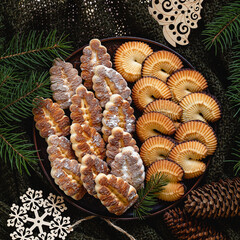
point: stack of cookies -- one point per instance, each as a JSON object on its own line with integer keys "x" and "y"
{"x": 90, "y": 123}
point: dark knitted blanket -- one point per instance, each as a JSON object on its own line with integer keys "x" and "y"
{"x": 84, "y": 20}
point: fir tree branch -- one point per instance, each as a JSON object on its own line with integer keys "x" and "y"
{"x": 224, "y": 28}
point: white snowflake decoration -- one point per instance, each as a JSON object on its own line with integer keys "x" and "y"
{"x": 32, "y": 203}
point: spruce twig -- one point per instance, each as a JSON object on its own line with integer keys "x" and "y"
{"x": 148, "y": 195}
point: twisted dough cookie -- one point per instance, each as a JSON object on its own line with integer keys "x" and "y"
{"x": 93, "y": 55}
{"x": 64, "y": 81}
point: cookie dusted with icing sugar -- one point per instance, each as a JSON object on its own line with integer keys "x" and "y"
{"x": 93, "y": 55}
{"x": 50, "y": 118}
{"x": 106, "y": 82}
{"x": 85, "y": 108}
{"x": 64, "y": 81}
{"x": 115, "y": 193}
{"x": 66, "y": 174}
{"x": 86, "y": 140}
{"x": 117, "y": 113}
{"x": 117, "y": 141}
{"x": 129, "y": 166}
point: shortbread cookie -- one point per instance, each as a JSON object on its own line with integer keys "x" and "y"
{"x": 129, "y": 166}
{"x": 115, "y": 193}
{"x": 91, "y": 166}
{"x": 129, "y": 57}
{"x": 173, "y": 173}
{"x": 186, "y": 81}
{"x": 153, "y": 124}
{"x": 85, "y": 108}
{"x": 117, "y": 113}
{"x": 59, "y": 147}
{"x": 156, "y": 148}
{"x": 118, "y": 140}
{"x": 93, "y": 55}
{"x": 50, "y": 118}
{"x": 148, "y": 89}
{"x": 161, "y": 64}
{"x": 106, "y": 82}
{"x": 188, "y": 155}
{"x": 66, "y": 174}
{"x": 200, "y": 106}
{"x": 64, "y": 81}
{"x": 86, "y": 140}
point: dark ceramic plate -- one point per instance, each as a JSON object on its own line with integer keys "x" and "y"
{"x": 89, "y": 204}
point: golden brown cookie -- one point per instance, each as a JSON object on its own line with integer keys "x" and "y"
{"x": 93, "y": 55}
{"x": 59, "y": 147}
{"x": 197, "y": 130}
{"x": 117, "y": 113}
{"x": 186, "y": 81}
{"x": 161, "y": 64}
{"x": 106, "y": 82}
{"x": 188, "y": 155}
{"x": 152, "y": 124}
{"x": 118, "y": 140}
{"x": 129, "y": 58}
{"x": 173, "y": 173}
{"x": 129, "y": 166}
{"x": 156, "y": 148}
{"x": 91, "y": 166}
{"x": 86, "y": 140}
{"x": 148, "y": 89}
{"x": 115, "y": 193}
{"x": 85, "y": 108}
{"x": 64, "y": 81}
{"x": 50, "y": 118}
{"x": 166, "y": 107}
{"x": 66, "y": 174}
{"x": 200, "y": 106}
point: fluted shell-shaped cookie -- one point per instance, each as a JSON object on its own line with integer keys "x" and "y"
{"x": 200, "y": 131}
{"x": 147, "y": 89}
{"x": 117, "y": 141}
{"x": 174, "y": 190}
{"x": 50, "y": 118}
{"x": 166, "y": 107}
{"x": 129, "y": 58}
{"x": 86, "y": 109}
{"x": 59, "y": 147}
{"x": 86, "y": 140}
{"x": 156, "y": 148}
{"x": 106, "y": 82}
{"x": 93, "y": 55}
{"x": 129, "y": 166}
{"x": 91, "y": 166}
{"x": 66, "y": 174}
{"x": 161, "y": 64}
{"x": 188, "y": 155}
{"x": 115, "y": 193}
{"x": 117, "y": 113}
{"x": 186, "y": 81}
{"x": 152, "y": 124}
{"x": 200, "y": 106}
{"x": 64, "y": 81}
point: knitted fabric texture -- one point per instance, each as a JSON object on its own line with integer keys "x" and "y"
{"x": 84, "y": 20}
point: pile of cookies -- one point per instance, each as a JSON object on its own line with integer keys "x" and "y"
{"x": 90, "y": 123}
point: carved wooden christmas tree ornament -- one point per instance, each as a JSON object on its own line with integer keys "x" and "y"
{"x": 178, "y": 17}
{"x": 216, "y": 200}
{"x": 184, "y": 227}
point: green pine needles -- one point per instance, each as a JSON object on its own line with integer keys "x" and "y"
{"x": 24, "y": 66}
{"x": 148, "y": 195}
{"x": 225, "y": 27}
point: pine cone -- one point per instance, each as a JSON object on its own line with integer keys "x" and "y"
{"x": 185, "y": 227}
{"x": 216, "y": 200}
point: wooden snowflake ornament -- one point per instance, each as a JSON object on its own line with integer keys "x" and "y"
{"x": 178, "y": 17}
